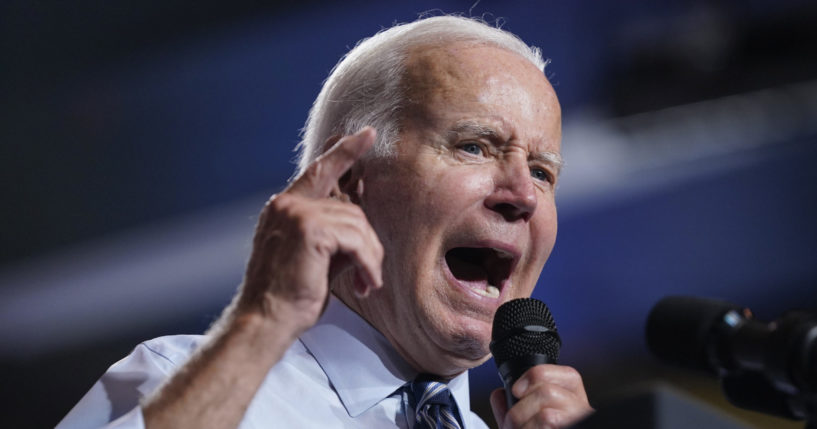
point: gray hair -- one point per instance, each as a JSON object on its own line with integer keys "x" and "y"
{"x": 365, "y": 87}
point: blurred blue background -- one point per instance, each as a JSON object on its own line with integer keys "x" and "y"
{"x": 140, "y": 139}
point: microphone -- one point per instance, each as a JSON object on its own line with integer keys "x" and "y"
{"x": 524, "y": 335}
{"x": 776, "y": 361}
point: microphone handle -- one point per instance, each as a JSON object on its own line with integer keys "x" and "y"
{"x": 512, "y": 369}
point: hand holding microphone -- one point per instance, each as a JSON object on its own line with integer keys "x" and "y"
{"x": 537, "y": 393}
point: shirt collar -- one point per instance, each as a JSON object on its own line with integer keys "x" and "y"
{"x": 361, "y": 364}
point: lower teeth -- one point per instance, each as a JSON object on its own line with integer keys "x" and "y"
{"x": 489, "y": 291}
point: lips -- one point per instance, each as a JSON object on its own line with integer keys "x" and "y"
{"x": 484, "y": 269}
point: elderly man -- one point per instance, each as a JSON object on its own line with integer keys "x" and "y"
{"x": 424, "y": 200}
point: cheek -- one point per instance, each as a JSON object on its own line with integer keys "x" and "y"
{"x": 400, "y": 211}
{"x": 543, "y": 231}
{"x": 463, "y": 186}
{"x": 437, "y": 197}
{"x": 453, "y": 195}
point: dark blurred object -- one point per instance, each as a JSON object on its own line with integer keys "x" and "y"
{"x": 656, "y": 407}
{"x": 766, "y": 367}
{"x": 88, "y": 111}
{"x": 50, "y": 41}
{"x": 712, "y": 50}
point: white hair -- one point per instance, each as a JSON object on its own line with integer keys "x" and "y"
{"x": 365, "y": 87}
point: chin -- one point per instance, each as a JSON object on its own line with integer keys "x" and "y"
{"x": 470, "y": 344}
{"x": 472, "y": 350}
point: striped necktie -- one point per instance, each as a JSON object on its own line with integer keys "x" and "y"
{"x": 433, "y": 404}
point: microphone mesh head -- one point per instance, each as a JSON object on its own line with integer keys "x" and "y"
{"x": 524, "y": 327}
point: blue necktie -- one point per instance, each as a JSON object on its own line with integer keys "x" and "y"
{"x": 433, "y": 404}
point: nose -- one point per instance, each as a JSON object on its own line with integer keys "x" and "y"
{"x": 514, "y": 194}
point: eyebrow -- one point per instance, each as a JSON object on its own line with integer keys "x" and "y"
{"x": 475, "y": 128}
{"x": 554, "y": 159}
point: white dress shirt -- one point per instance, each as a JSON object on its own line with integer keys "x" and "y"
{"x": 342, "y": 373}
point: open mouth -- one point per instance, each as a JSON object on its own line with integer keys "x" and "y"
{"x": 483, "y": 269}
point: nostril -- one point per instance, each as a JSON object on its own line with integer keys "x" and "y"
{"x": 511, "y": 212}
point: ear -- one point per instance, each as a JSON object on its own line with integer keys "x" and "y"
{"x": 346, "y": 188}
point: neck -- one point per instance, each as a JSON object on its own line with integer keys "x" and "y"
{"x": 342, "y": 289}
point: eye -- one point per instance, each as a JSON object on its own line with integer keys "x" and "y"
{"x": 541, "y": 174}
{"x": 471, "y": 148}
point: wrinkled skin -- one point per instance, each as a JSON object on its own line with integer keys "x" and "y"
{"x": 476, "y": 165}
{"x": 304, "y": 238}
{"x": 451, "y": 184}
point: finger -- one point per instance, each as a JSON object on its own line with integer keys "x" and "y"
{"x": 366, "y": 262}
{"x": 335, "y": 230}
{"x": 548, "y": 418}
{"x": 369, "y": 273}
{"x": 548, "y": 406}
{"x": 499, "y": 405}
{"x": 319, "y": 178}
{"x": 561, "y": 375}
{"x": 356, "y": 245}
{"x": 539, "y": 397}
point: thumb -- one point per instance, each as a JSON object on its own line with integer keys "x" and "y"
{"x": 499, "y": 405}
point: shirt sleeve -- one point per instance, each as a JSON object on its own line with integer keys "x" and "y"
{"x": 113, "y": 401}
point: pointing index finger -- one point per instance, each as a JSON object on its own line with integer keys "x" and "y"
{"x": 319, "y": 178}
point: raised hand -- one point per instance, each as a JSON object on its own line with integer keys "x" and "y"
{"x": 308, "y": 233}
{"x": 303, "y": 237}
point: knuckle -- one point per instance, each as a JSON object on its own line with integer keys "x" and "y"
{"x": 306, "y": 226}
{"x": 357, "y": 210}
{"x": 279, "y": 202}
{"x": 572, "y": 372}
{"x": 288, "y": 205}
{"x": 550, "y": 417}
{"x": 278, "y": 211}
{"x": 548, "y": 393}
{"x": 354, "y": 213}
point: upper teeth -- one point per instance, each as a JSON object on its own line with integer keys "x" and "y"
{"x": 502, "y": 254}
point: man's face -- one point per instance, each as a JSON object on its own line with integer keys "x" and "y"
{"x": 465, "y": 210}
